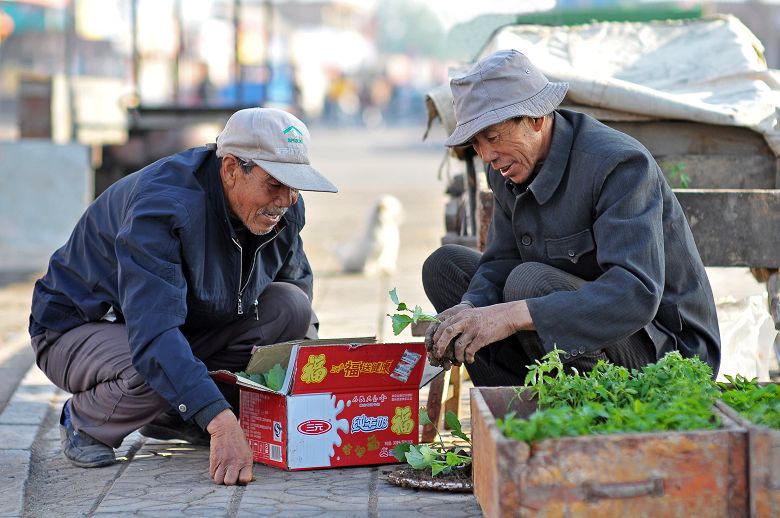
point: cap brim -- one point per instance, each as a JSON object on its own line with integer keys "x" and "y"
{"x": 298, "y": 176}
{"x": 541, "y": 104}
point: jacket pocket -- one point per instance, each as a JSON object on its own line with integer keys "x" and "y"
{"x": 572, "y": 247}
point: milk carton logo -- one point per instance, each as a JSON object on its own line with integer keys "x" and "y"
{"x": 314, "y": 427}
{"x": 364, "y": 423}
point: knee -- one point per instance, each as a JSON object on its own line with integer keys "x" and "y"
{"x": 529, "y": 280}
{"x": 291, "y": 303}
{"x": 436, "y": 264}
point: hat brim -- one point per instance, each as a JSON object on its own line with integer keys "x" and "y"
{"x": 541, "y": 104}
{"x": 298, "y": 176}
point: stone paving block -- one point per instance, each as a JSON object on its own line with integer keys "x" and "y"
{"x": 329, "y": 492}
{"x": 30, "y": 402}
{"x": 17, "y": 436}
{"x": 14, "y": 466}
{"x": 167, "y": 479}
{"x": 55, "y": 486}
{"x": 391, "y": 498}
{"x": 27, "y": 407}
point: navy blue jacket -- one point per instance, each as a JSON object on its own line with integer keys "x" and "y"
{"x": 158, "y": 248}
{"x": 600, "y": 208}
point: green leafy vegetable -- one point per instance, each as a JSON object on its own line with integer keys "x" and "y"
{"x": 673, "y": 394}
{"x": 273, "y": 378}
{"x": 401, "y": 320}
{"x": 759, "y": 404}
{"x": 436, "y": 456}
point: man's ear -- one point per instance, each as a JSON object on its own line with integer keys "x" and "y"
{"x": 536, "y": 123}
{"x": 228, "y": 169}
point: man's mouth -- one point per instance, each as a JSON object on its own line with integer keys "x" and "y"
{"x": 273, "y": 214}
{"x": 503, "y": 170}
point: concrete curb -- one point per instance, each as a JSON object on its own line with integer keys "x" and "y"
{"x": 20, "y": 422}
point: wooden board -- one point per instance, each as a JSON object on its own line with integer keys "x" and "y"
{"x": 671, "y": 474}
{"x": 763, "y": 465}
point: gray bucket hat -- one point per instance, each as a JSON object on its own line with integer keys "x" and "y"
{"x": 278, "y": 142}
{"x": 501, "y": 86}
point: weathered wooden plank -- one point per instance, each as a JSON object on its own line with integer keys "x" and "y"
{"x": 763, "y": 465}
{"x": 673, "y": 474}
{"x": 734, "y": 227}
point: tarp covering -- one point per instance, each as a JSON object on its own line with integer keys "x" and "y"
{"x": 710, "y": 70}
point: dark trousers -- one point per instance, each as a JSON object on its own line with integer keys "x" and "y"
{"x": 446, "y": 275}
{"x": 111, "y": 399}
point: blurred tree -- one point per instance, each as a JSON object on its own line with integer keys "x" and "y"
{"x": 409, "y": 27}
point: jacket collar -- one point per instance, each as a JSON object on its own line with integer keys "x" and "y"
{"x": 554, "y": 166}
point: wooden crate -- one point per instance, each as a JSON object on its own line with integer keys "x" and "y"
{"x": 697, "y": 473}
{"x": 763, "y": 465}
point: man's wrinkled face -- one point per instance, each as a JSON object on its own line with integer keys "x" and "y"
{"x": 254, "y": 196}
{"x": 512, "y": 147}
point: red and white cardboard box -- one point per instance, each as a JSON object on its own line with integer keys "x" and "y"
{"x": 341, "y": 404}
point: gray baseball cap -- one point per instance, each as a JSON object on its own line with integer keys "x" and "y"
{"x": 501, "y": 86}
{"x": 278, "y": 142}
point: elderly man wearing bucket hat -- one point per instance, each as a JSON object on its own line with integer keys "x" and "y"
{"x": 588, "y": 250}
{"x": 175, "y": 270}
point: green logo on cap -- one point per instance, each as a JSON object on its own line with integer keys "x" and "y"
{"x": 294, "y": 135}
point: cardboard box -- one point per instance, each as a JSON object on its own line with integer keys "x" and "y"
{"x": 341, "y": 404}
{"x": 700, "y": 473}
{"x": 763, "y": 465}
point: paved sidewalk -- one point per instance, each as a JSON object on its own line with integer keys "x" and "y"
{"x": 170, "y": 478}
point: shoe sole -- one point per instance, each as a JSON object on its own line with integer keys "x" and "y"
{"x": 94, "y": 464}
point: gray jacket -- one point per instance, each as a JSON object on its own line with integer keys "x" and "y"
{"x": 600, "y": 208}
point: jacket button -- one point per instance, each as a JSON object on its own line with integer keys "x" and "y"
{"x": 582, "y": 351}
{"x": 571, "y": 253}
{"x": 182, "y": 408}
{"x": 566, "y": 356}
{"x": 526, "y": 239}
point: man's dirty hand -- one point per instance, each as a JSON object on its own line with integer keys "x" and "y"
{"x": 467, "y": 331}
{"x": 445, "y": 358}
{"x": 230, "y": 458}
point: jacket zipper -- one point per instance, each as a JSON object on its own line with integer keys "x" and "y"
{"x": 240, "y": 309}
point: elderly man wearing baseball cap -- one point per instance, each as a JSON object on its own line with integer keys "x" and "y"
{"x": 588, "y": 250}
{"x": 175, "y": 270}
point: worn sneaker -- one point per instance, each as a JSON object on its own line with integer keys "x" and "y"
{"x": 81, "y": 449}
{"x": 167, "y": 427}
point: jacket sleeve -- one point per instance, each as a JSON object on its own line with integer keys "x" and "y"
{"x": 501, "y": 256}
{"x": 628, "y": 231}
{"x": 153, "y": 295}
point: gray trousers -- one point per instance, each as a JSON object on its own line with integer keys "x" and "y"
{"x": 111, "y": 399}
{"x": 446, "y": 275}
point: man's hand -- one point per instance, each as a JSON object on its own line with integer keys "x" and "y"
{"x": 471, "y": 329}
{"x": 230, "y": 458}
{"x": 445, "y": 359}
